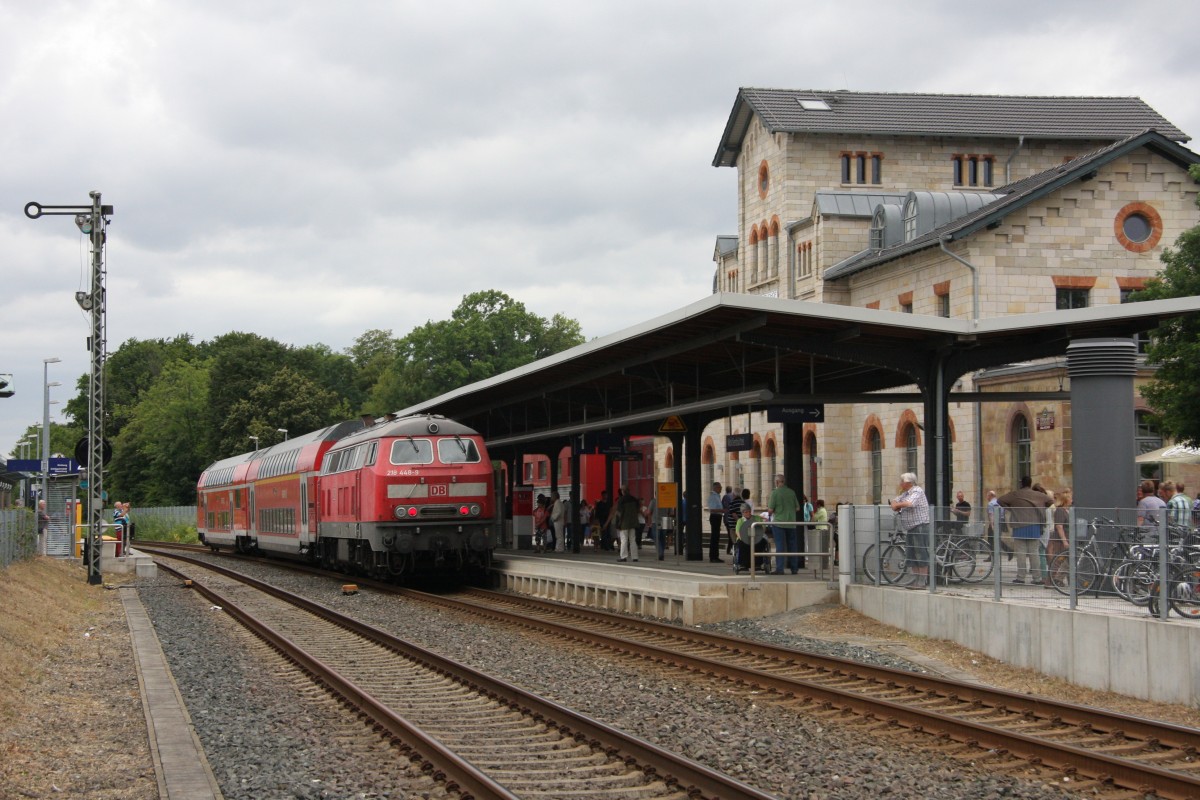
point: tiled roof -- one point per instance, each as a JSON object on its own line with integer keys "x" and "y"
{"x": 1016, "y": 195}
{"x": 887, "y": 114}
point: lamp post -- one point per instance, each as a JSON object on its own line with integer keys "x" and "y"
{"x": 283, "y": 431}
{"x": 255, "y": 440}
{"x": 46, "y": 384}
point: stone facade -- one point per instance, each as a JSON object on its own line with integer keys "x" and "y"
{"x": 1071, "y": 238}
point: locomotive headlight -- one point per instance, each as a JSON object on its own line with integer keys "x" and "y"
{"x": 474, "y": 511}
{"x": 401, "y": 512}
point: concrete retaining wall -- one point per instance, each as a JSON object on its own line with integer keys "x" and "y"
{"x": 689, "y": 598}
{"x": 1140, "y": 657}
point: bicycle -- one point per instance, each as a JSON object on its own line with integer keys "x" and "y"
{"x": 955, "y": 560}
{"x": 1090, "y": 568}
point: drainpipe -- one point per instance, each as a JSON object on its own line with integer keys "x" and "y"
{"x": 1008, "y": 161}
{"x": 974, "y": 279}
{"x": 978, "y": 406}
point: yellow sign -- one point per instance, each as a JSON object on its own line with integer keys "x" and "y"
{"x": 667, "y": 497}
{"x": 672, "y": 424}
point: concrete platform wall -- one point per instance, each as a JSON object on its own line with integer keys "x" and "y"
{"x": 690, "y": 599}
{"x": 1146, "y": 658}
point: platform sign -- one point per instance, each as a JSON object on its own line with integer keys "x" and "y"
{"x": 739, "y": 441}
{"x": 626, "y": 457}
{"x": 811, "y": 412}
{"x": 603, "y": 443}
{"x": 58, "y": 466}
{"x": 672, "y": 424}
{"x": 668, "y": 495}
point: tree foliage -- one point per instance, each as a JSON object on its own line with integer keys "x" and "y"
{"x": 1175, "y": 346}
{"x": 487, "y": 334}
{"x": 172, "y": 406}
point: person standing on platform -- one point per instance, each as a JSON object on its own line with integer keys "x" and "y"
{"x": 716, "y": 514}
{"x": 913, "y": 508}
{"x": 783, "y": 505}
{"x": 733, "y": 512}
{"x": 601, "y": 514}
{"x": 625, "y": 515}
{"x": 961, "y": 512}
{"x": 558, "y": 515}
{"x": 1025, "y": 511}
{"x": 43, "y": 526}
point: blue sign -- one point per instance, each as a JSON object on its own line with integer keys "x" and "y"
{"x": 58, "y": 466}
{"x": 812, "y": 412}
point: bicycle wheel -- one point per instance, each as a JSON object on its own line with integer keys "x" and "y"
{"x": 1087, "y": 573}
{"x": 895, "y": 565}
{"x": 1134, "y": 580}
{"x": 955, "y": 562}
{"x": 982, "y": 554}
{"x": 869, "y": 562}
{"x": 1184, "y": 594}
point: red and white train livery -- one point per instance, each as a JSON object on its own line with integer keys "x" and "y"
{"x": 397, "y": 497}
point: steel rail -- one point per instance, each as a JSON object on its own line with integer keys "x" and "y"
{"x": 693, "y": 778}
{"x": 1099, "y": 766}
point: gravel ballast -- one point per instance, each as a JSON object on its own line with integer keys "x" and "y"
{"x": 264, "y": 737}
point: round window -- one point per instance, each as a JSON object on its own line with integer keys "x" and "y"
{"x": 1138, "y": 227}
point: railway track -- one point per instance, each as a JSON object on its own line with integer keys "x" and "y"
{"x": 487, "y": 738}
{"x": 1094, "y": 749}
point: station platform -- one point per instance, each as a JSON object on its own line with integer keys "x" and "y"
{"x": 180, "y": 766}
{"x": 691, "y": 592}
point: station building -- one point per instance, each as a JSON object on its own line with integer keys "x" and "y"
{"x": 967, "y": 206}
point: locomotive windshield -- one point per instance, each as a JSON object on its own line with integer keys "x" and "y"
{"x": 412, "y": 451}
{"x": 457, "y": 451}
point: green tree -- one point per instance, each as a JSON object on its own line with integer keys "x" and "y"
{"x": 161, "y": 450}
{"x": 286, "y": 400}
{"x": 487, "y": 334}
{"x": 1175, "y": 346}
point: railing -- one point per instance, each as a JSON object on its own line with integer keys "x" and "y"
{"x": 18, "y": 535}
{"x": 1119, "y": 560}
{"x": 753, "y": 555}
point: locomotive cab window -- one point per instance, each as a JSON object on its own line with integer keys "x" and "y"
{"x": 412, "y": 451}
{"x": 457, "y": 450}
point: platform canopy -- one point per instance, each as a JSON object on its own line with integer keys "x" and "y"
{"x": 736, "y": 352}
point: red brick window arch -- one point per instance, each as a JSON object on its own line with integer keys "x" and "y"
{"x": 1138, "y": 227}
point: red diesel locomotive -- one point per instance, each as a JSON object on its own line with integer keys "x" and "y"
{"x": 414, "y": 495}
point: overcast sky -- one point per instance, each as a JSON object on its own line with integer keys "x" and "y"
{"x": 309, "y": 171}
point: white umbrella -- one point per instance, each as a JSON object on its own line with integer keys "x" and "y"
{"x": 1174, "y": 454}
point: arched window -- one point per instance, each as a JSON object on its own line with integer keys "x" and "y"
{"x": 911, "y": 451}
{"x": 1022, "y": 449}
{"x": 875, "y": 446}
{"x": 1147, "y": 437}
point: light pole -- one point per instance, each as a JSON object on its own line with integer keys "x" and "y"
{"x": 283, "y": 431}
{"x": 46, "y": 384}
{"x": 255, "y": 440}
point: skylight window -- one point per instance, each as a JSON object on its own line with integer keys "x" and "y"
{"x": 813, "y": 104}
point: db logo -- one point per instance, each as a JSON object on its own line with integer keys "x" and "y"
{"x": 439, "y": 490}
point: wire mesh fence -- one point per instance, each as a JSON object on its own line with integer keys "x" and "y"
{"x": 1125, "y": 560}
{"x": 18, "y": 535}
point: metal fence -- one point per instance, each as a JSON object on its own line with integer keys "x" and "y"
{"x": 1110, "y": 560}
{"x": 18, "y": 535}
{"x": 168, "y": 515}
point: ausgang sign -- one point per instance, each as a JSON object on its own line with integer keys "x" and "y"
{"x": 812, "y": 412}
